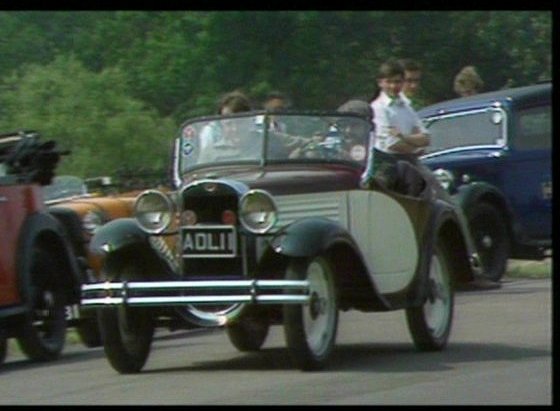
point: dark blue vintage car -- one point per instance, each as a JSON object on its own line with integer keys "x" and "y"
{"x": 492, "y": 151}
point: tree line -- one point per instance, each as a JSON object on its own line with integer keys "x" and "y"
{"x": 113, "y": 86}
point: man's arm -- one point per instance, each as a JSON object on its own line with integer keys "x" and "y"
{"x": 409, "y": 143}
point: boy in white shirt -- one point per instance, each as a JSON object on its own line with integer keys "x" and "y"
{"x": 399, "y": 132}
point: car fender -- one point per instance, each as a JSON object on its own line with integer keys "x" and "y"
{"x": 72, "y": 223}
{"x": 41, "y": 228}
{"x": 446, "y": 224}
{"x": 469, "y": 194}
{"x": 122, "y": 241}
{"x": 309, "y": 237}
{"x": 117, "y": 235}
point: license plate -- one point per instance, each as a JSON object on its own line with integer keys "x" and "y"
{"x": 209, "y": 242}
{"x": 72, "y": 312}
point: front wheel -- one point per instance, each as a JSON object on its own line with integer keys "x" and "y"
{"x": 430, "y": 323}
{"x": 42, "y": 333}
{"x": 489, "y": 232}
{"x": 127, "y": 335}
{"x": 249, "y": 332}
{"x": 126, "y": 332}
{"x": 310, "y": 329}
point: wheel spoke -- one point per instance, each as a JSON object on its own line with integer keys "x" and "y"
{"x": 311, "y": 328}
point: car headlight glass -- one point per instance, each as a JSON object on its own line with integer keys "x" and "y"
{"x": 154, "y": 211}
{"x": 445, "y": 178}
{"x": 92, "y": 220}
{"x": 257, "y": 211}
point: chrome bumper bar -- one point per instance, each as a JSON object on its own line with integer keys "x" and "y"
{"x": 174, "y": 293}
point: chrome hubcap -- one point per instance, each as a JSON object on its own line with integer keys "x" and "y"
{"x": 437, "y": 307}
{"x": 319, "y": 316}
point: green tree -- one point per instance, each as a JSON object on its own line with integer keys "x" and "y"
{"x": 89, "y": 113}
{"x": 180, "y": 62}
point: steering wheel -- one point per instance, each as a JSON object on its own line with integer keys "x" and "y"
{"x": 310, "y": 149}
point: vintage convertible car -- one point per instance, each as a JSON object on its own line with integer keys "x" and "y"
{"x": 268, "y": 227}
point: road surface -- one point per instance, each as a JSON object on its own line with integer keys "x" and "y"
{"x": 500, "y": 352}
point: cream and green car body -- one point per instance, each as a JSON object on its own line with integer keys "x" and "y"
{"x": 277, "y": 231}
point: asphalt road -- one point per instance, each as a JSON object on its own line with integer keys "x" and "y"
{"x": 500, "y": 352}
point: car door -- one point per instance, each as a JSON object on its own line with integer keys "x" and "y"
{"x": 529, "y": 165}
{"x": 13, "y": 215}
{"x": 385, "y": 229}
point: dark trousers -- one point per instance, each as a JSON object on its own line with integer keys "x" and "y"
{"x": 387, "y": 171}
{"x": 383, "y": 167}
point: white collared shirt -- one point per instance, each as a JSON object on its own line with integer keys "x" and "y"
{"x": 405, "y": 98}
{"x": 393, "y": 113}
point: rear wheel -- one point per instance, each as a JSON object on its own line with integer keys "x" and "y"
{"x": 489, "y": 232}
{"x": 88, "y": 331}
{"x": 127, "y": 333}
{"x": 249, "y": 332}
{"x": 430, "y": 324}
{"x": 42, "y": 333}
{"x": 310, "y": 329}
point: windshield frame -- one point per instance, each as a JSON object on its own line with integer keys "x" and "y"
{"x": 180, "y": 169}
{"x": 64, "y": 187}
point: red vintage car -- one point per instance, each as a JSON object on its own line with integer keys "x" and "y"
{"x": 39, "y": 275}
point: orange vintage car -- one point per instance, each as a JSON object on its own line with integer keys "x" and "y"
{"x": 82, "y": 206}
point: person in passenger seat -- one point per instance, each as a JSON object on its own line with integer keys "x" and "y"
{"x": 400, "y": 136}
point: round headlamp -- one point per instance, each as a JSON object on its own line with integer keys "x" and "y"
{"x": 257, "y": 211}
{"x": 445, "y": 178}
{"x": 154, "y": 211}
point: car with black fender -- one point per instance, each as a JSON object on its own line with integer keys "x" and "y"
{"x": 493, "y": 153}
{"x": 82, "y": 205}
{"x": 268, "y": 227}
{"x": 39, "y": 277}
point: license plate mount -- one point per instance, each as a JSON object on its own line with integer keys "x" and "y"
{"x": 209, "y": 241}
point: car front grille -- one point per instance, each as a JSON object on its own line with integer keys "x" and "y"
{"x": 206, "y": 247}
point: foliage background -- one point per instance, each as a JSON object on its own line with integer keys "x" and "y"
{"x": 113, "y": 86}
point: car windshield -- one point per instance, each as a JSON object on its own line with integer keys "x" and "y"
{"x": 260, "y": 137}
{"x": 473, "y": 128}
{"x": 64, "y": 187}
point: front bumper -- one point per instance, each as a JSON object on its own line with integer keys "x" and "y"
{"x": 178, "y": 293}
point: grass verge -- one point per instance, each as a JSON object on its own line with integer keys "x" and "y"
{"x": 530, "y": 269}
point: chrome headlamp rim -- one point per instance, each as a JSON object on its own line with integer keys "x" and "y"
{"x": 264, "y": 195}
{"x": 168, "y": 210}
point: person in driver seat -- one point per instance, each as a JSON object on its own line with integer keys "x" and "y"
{"x": 213, "y": 134}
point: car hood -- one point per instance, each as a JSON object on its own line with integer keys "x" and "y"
{"x": 115, "y": 207}
{"x": 292, "y": 179}
{"x": 461, "y": 156}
